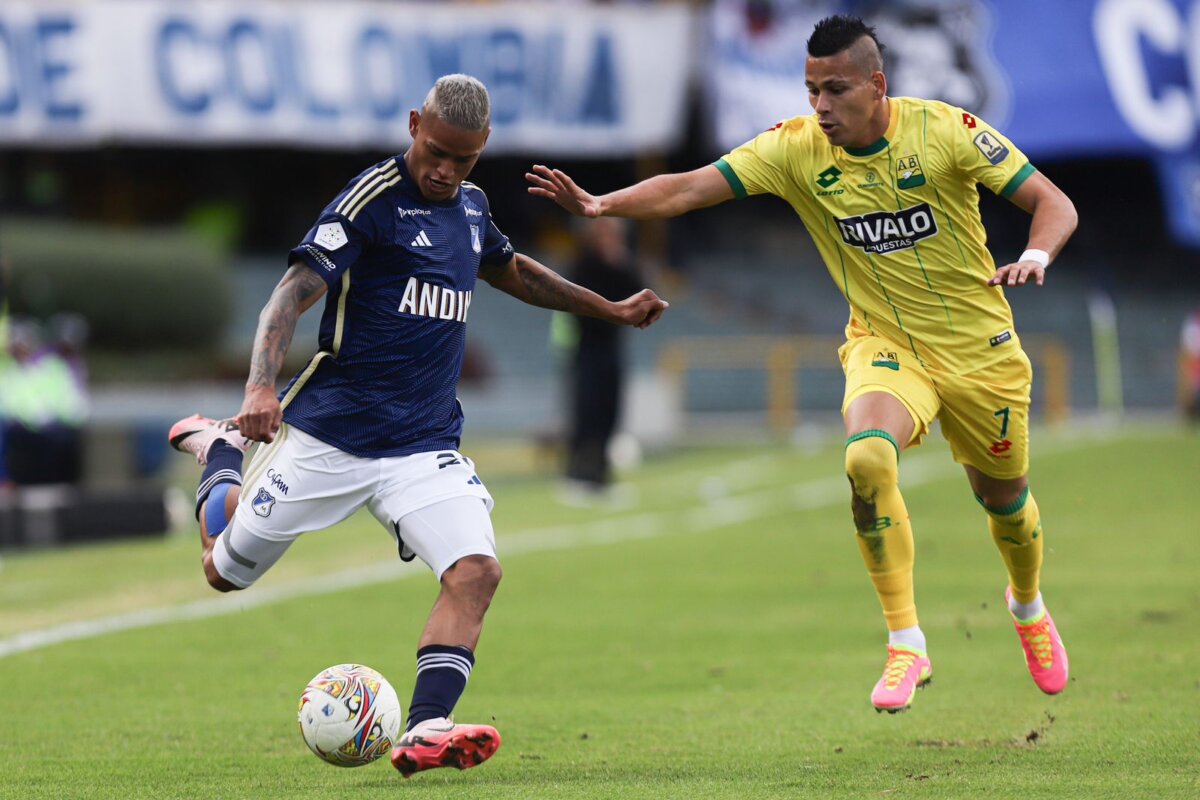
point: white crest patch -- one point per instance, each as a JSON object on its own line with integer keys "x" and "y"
{"x": 331, "y": 236}
{"x": 475, "y": 245}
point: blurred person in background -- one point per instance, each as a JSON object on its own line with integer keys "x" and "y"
{"x": 373, "y": 419}
{"x": 887, "y": 189}
{"x": 1189, "y": 355}
{"x": 596, "y": 361}
{"x": 45, "y": 407}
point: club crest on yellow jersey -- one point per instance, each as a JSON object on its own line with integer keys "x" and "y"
{"x": 908, "y": 173}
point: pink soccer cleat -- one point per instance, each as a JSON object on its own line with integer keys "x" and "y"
{"x": 196, "y": 434}
{"x": 1045, "y": 654}
{"x": 907, "y": 669}
{"x": 440, "y": 743}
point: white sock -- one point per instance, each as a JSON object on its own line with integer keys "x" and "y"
{"x": 909, "y": 637}
{"x": 1026, "y": 611}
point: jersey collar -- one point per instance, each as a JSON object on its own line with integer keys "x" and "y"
{"x": 882, "y": 141}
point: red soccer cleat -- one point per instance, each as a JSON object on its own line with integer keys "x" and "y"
{"x": 440, "y": 743}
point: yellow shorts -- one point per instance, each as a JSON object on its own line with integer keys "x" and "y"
{"x": 984, "y": 415}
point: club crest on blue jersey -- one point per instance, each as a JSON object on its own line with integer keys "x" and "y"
{"x": 262, "y": 503}
{"x": 475, "y": 243}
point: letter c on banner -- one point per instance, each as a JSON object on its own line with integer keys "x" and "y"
{"x": 174, "y": 34}
{"x": 1166, "y": 121}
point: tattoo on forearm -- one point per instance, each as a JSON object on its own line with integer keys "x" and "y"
{"x": 277, "y": 323}
{"x": 548, "y": 289}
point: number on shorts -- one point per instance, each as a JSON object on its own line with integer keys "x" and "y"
{"x": 1004, "y": 422}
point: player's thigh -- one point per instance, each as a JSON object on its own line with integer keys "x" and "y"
{"x": 299, "y": 484}
{"x": 450, "y": 503}
{"x": 449, "y": 530}
{"x": 874, "y": 364}
{"x": 985, "y": 417}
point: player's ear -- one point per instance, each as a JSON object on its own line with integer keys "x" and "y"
{"x": 880, "y": 81}
{"x": 414, "y": 122}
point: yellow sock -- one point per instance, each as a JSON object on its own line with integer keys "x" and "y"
{"x": 1017, "y": 531}
{"x": 881, "y": 520}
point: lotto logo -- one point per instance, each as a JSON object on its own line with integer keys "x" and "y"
{"x": 968, "y": 120}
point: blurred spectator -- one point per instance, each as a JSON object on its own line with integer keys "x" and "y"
{"x": 5, "y": 360}
{"x": 1189, "y": 356}
{"x": 44, "y": 403}
{"x": 596, "y": 364}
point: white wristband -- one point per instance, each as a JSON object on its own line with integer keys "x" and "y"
{"x": 1040, "y": 256}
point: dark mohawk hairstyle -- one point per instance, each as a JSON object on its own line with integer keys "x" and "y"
{"x": 834, "y": 34}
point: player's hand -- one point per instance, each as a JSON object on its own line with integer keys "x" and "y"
{"x": 1018, "y": 273}
{"x": 556, "y": 185}
{"x": 640, "y": 310}
{"x": 261, "y": 414}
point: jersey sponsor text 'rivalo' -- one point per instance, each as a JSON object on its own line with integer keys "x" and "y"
{"x": 888, "y": 231}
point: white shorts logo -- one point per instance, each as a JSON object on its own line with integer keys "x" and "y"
{"x": 262, "y": 503}
{"x": 331, "y": 235}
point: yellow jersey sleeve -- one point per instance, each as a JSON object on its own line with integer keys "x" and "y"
{"x": 987, "y": 156}
{"x": 760, "y": 166}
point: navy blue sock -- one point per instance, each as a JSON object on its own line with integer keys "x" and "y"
{"x": 224, "y": 466}
{"x": 442, "y": 672}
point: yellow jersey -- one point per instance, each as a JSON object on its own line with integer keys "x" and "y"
{"x": 897, "y": 224}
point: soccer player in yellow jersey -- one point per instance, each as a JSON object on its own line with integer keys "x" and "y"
{"x": 887, "y": 188}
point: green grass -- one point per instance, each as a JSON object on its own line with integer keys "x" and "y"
{"x": 724, "y": 648}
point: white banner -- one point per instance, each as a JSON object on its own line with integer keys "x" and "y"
{"x": 564, "y": 81}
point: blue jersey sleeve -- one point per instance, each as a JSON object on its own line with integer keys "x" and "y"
{"x": 331, "y": 247}
{"x": 347, "y": 227}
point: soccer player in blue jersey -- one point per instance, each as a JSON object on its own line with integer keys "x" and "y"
{"x": 373, "y": 420}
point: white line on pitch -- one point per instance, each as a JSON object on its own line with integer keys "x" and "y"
{"x": 719, "y": 513}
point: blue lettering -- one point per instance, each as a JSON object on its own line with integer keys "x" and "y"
{"x": 54, "y": 71}
{"x": 246, "y": 41}
{"x": 376, "y": 45}
{"x": 600, "y": 105}
{"x": 507, "y": 84}
{"x": 10, "y": 100}
{"x": 172, "y": 32}
{"x": 293, "y": 66}
{"x": 444, "y": 56}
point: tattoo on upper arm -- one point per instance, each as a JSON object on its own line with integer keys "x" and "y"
{"x": 299, "y": 288}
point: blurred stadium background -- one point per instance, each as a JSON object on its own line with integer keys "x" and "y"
{"x": 159, "y": 158}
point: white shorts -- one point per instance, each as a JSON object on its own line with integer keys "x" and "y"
{"x": 299, "y": 484}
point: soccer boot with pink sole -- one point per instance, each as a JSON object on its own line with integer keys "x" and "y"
{"x": 196, "y": 434}
{"x": 440, "y": 743}
{"x": 907, "y": 669}
{"x": 1045, "y": 654}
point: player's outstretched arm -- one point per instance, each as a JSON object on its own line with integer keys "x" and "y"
{"x": 1054, "y": 220}
{"x": 659, "y": 197}
{"x": 538, "y": 285}
{"x": 261, "y": 415}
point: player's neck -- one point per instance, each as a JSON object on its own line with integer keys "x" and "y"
{"x": 877, "y": 128}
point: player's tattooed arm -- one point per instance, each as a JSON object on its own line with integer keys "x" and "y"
{"x": 533, "y": 283}
{"x": 296, "y": 292}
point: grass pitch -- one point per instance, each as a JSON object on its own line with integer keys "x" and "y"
{"x": 716, "y": 639}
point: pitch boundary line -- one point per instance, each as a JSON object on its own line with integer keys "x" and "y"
{"x": 722, "y": 512}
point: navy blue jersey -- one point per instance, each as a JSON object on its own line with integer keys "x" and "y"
{"x": 401, "y": 274}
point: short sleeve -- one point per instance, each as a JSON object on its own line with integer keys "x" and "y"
{"x": 347, "y": 227}
{"x": 987, "y": 156}
{"x": 757, "y": 167}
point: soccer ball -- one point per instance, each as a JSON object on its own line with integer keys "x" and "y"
{"x": 349, "y": 715}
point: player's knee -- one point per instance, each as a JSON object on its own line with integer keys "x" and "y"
{"x": 214, "y": 577}
{"x": 476, "y": 575}
{"x": 872, "y": 463}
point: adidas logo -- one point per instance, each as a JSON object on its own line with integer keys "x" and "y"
{"x": 422, "y": 240}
